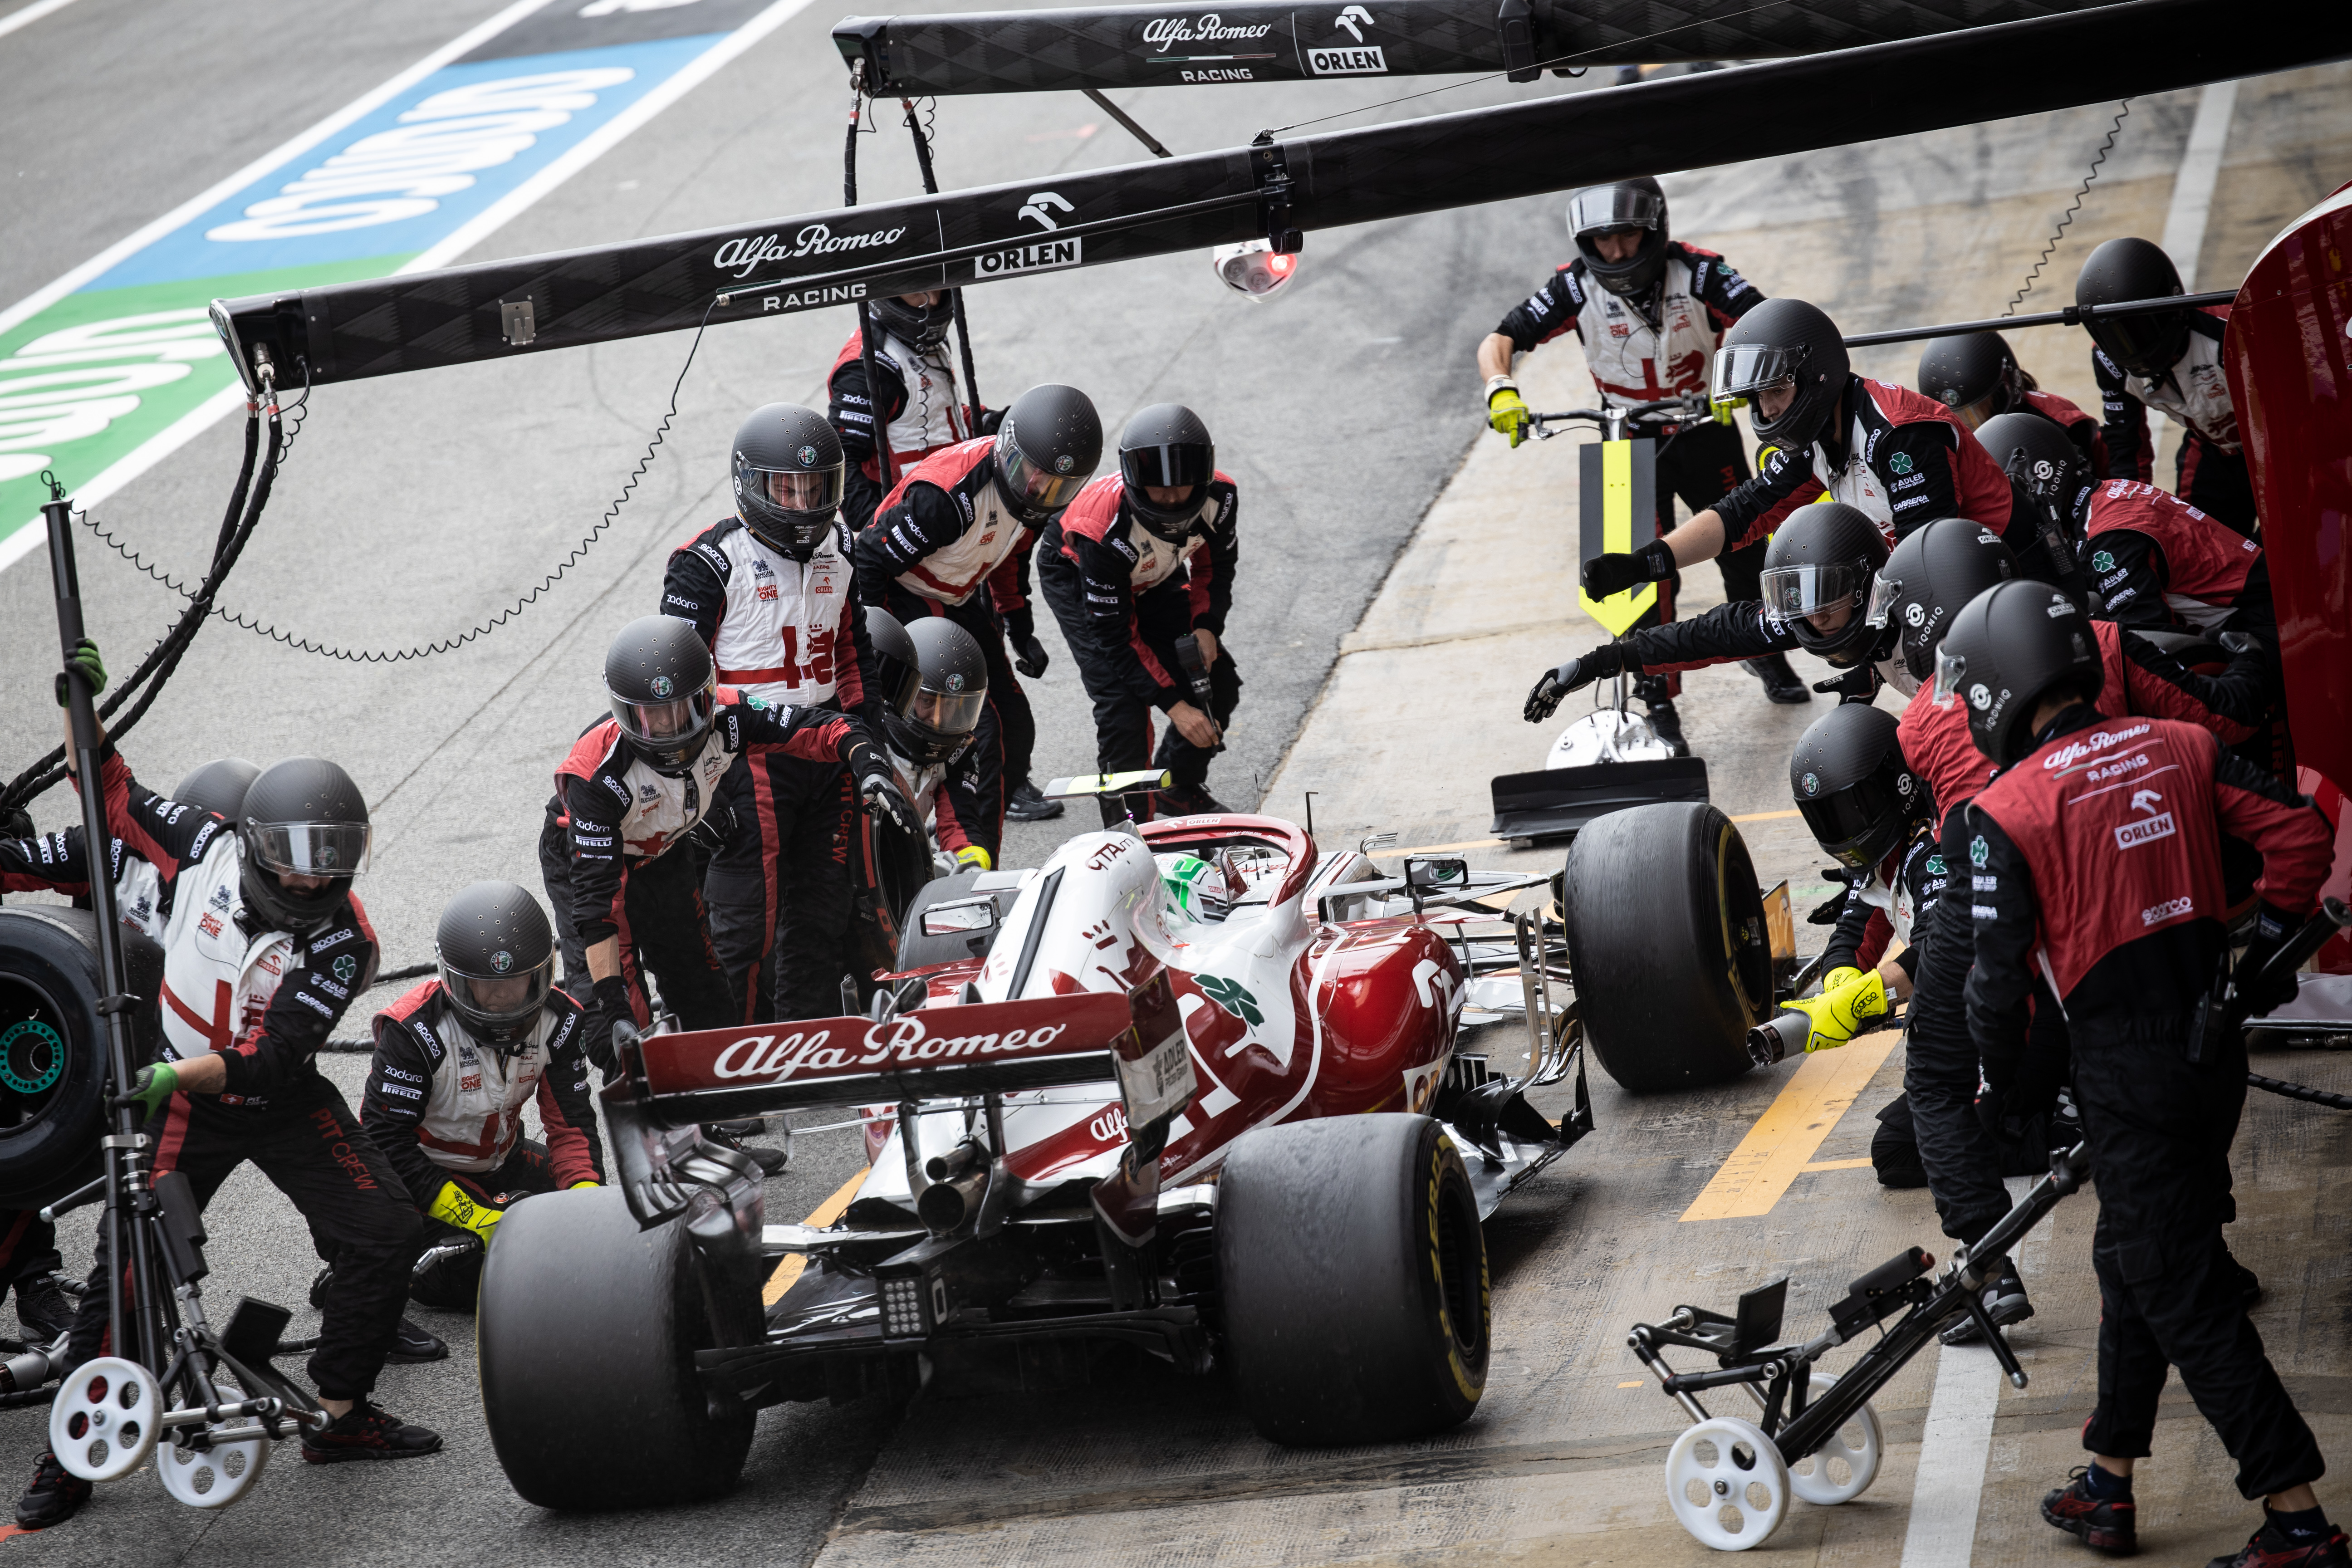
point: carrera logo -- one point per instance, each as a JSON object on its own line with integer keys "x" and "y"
{"x": 2171, "y": 909}
{"x": 2147, "y": 830}
{"x": 743, "y": 256}
{"x": 902, "y": 1042}
{"x": 1357, "y": 60}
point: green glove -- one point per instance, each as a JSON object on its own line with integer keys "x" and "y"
{"x": 1507, "y": 412}
{"x": 154, "y": 1084}
{"x": 88, "y": 665}
{"x": 1839, "y": 1015}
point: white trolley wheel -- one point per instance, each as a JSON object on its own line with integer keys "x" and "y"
{"x": 1841, "y": 1469}
{"x": 1727, "y": 1484}
{"x": 214, "y": 1476}
{"x": 102, "y": 1421}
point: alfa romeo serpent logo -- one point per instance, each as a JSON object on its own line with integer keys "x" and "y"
{"x": 1813, "y": 785}
{"x": 1232, "y": 996}
{"x": 501, "y": 961}
{"x": 660, "y": 686}
{"x": 807, "y": 455}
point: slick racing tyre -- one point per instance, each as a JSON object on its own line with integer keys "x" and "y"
{"x": 1667, "y": 942}
{"x": 53, "y": 1046}
{"x": 1353, "y": 1275}
{"x": 587, "y": 1331}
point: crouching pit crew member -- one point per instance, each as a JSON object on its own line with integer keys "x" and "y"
{"x": 456, "y": 1062}
{"x": 2095, "y": 857}
{"x": 769, "y": 592}
{"x": 1141, "y": 559}
{"x": 931, "y": 691}
{"x": 1650, "y": 312}
{"x": 1978, "y": 377}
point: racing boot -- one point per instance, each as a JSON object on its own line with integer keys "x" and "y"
{"x": 44, "y": 1307}
{"x": 55, "y": 1496}
{"x": 1780, "y": 683}
{"x": 2284, "y": 1541}
{"x": 1025, "y": 802}
{"x": 366, "y": 1431}
{"x": 772, "y": 1162}
{"x": 2108, "y": 1524}
{"x": 2005, "y": 1302}
{"x": 412, "y": 1345}
{"x": 1654, "y": 691}
{"x": 1189, "y": 800}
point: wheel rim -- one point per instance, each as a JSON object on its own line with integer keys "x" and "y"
{"x": 1461, "y": 1270}
{"x": 1727, "y": 1484}
{"x": 102, "y": 1421}
{"x": 214, "y": 1476}
{"x": 1840, "y": 1469}
{"x": 34, "y": 1052}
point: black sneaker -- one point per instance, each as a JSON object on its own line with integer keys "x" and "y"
{"x": 2270, "y": 1548}
{"x": 55, "y": 1496}
{"x": 411, "y": 1344}
{"x": 320, "y": 1283}
{"x": 44, "y": 1307}
{"x": 772, "y": 1162}
{"x": 2109, "y": 1525}
{"x": 1780, "y": 683}
{"x": 1668, "y": 724}
{"x": 366, "y": 1431}
{"x": 2005, "y": 1302}
{"x": 1027, "y": 804}
{"x": 1188, "y": 800}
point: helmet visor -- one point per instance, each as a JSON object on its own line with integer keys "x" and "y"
{"x": 1613, "y": 206}
{"x": 499, "y": 1001}
{"x": 2147, "y": 344}
{"x": 668, "y": 724}
{"x": 1744, "y": 370}
{"x": 1975, "y": 413}
{"x": 1884, "y": 592}
{"x": 311, "y": 848}
{"x": 1032, "y": 488}
{"x": 1178, "y": 464}
{"x": 1811, "y": 590}
{"x": 930, "y": 725}
{"x": 1852, "y": 823}
{"x": 807, "y": 489}
{"x": 1952, "y": 670}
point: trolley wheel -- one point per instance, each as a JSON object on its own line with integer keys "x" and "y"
{"x": 1727, "y": 1484}
{"x": 214, "y": 1476}
{"x": 1840, "y": 1469}
{"x": 103, "y": 1423}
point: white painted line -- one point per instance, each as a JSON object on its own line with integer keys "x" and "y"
{"x": 29, "y": 15}
{"x": 2200, "y": 169}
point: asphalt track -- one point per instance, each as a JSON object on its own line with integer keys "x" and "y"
{"x": 414, "y": 509}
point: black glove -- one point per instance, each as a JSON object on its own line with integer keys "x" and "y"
{"x": 1574, "y": 676}
{"x": 86, "y": 663}
{"x": 1858, "y": 684}
{"x": 989, "y": 422}
{"x": 608, "y": 1006}
{"x": 18, "y": 823}
{"x": 1607, "y": 574}
{"x": 2257, "y": 996}
{"x": 1020, "y": 630}
{"x": 878, "y": 786}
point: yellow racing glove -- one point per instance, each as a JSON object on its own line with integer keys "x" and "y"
{"x": 584, "y": 1183}
{"x": 972, "y": 858}
{"x": 1839, "y": 976}
{"x": 453, "y": 1207}
{"x": 1506, "y": 411}
{"x": 1840, "y": 1013}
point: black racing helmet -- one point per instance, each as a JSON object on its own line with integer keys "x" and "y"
{"x": 924, "y": 326}
{"x": 2126, "y": 269}
{"x": 934, "y": 682}
{"x": 1783, "y": 341}
{"x": 788, "y": 477}
{"x": 1851, "y": 786}
{"x": 664, "y": 690}
{"x": 303, "y": 817}
{"x": 218, "y": 786}
{"x": 1166, "y": 444}
{"x": 1974, "y": 375}
{"x": 2009, "y": 647}
{"x": 497, "y": 957}
{"x": 2038, "y": 457}
{"x": 1822, "y": 559}
{"x": 1613, "y": 209}
{"x": 1046, "y": 449}
{"x": 1928, "y": 576}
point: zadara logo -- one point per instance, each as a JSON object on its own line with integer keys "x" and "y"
{"x": 902, "y": 1042}
{"x": 743, "y": 256}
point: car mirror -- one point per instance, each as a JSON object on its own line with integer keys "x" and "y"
{"x": 960, "y": 917}
{"x": 1430, "y": 873}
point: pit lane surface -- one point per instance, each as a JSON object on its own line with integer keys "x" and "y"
{"x": 414, "y": 509}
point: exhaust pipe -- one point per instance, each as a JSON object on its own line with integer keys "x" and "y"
{"x": 1779, "y": 1037}
{"x": 957, "y": 1181}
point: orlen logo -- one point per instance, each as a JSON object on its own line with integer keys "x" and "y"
{"x": 902, "y": 1042}
{"x": 743, "y": 256}
{"x": 1363, "y": 59}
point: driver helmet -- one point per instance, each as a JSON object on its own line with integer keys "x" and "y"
{"x": 1929, "y": 575}
{"x": 1630, "y": 207}
{"x": 2125, "y": 269}
{"x": 788, "y": 472}
{"x": 1166, "y": 444}
{"x": 1853, "y": 787}
{"x": 2009, "y": 647}
{"x": 1046, "y": 450}
{"x": 934, "y": 683}
{"x": 1195, "y": 887}
{"x": 303, "y": 817}
{"x": 922, "y": 327}
{"x": 218, "y": 786}
{"x": 496, "y": 953}
{"x": 664, "y": 690}
{"x": 1825, "y": 558}
{"x": 1974, "y": 375}
{"x": 1783, "y": 341}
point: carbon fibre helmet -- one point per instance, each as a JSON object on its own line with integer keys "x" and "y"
{"x": 1166, "y": 444}
{"x": 2009, "y": 647}
{"x": 933, "y": 679}
{"x": 1974, "y": 375}
{"x": 2040, "y": 459}
{"x": 218, "y": 786}
{"x": 1630, "y": 204}
{"x": 303, "y": 817}
{"x": 496, "y": 953}
{"x": 1851, "y": 786}
{"x": 1933, "y": 571}
{"x": 923, "y": 326}
{"x": 1824, "y": 560}
{"x": 1783, "y": 341}
{"x": 1046, "y": 450}
{"x": 664, "y": 691}
{"x": 788, "y": 471}
{"x": 2126, "y": 269}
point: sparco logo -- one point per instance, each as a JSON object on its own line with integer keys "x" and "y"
{"x": 1162, "y": 31}
{"x": 2166, "y": 910}
{"x": 903, "y": 1042}
{"x": 2066, "y": 756}
{"x": 744, "y": 255}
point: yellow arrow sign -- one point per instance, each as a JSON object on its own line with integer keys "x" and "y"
{"x": 1617, "y": 514}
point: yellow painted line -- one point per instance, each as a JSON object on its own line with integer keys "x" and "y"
{"x": 832, "y": 1209}
{"x": 1838, "y": 1165}
{"x": 1782, "y": 1143}
{"x": 1637, "y": 1383}
{"x": 1769, "y": 815}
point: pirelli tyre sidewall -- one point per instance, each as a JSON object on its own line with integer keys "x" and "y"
{"x": 1352, "y": 1273}
{"x": 1667, "y": 944}
{"x": 53, "y": 1046}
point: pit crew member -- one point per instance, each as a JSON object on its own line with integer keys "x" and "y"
{"x": 930, "y": 684}
{"x": 2095, "y": 858}
{"x": 769, "y": 591}
{"x": 2172, "y": 361}
{"x": 920, "y": 411}
{"x": 456, "y": 1062}
{"x": 1141, "y": 558}
{"x": 953, "y": 538}
{"x": 1978, "y": 378}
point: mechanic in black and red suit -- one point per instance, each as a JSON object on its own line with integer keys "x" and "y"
{"x": 2169, "y": 359}
{"x": 922, "y": 411}
{"x": 770, "y": 592}
{"x": 1976, "y": 376}
{"x": 1141, "y": 558}
{"x": 632, "y": 787}
{"x": 1650, "y": 312}
{"x": 2096, "y": 859}
{"x": 953, "y": 538}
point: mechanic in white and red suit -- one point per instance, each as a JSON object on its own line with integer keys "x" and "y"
{"x": 1142, "y": 557}
{"x": 2171, "y": 361}
{"x": 456, "y": 1060}
{"x": 1650, "y": 312}
{"x": 920, "y": 412}
{"x": 952, "y": 539}
{"x": 768, "y": 589}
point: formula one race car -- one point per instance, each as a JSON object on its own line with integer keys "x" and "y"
{"x": 1193, "y": 1088}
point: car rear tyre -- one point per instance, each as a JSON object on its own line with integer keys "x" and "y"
{"x": 53, "y": 1046}
{"x": 1353, "y": 1274}
{"x": 1667, "y": 942}
{"x": 587, "y": 1331}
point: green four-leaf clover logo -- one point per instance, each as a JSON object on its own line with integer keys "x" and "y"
{"x": 1232, "y": 996}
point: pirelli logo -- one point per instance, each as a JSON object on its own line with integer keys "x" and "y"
{"x": 2147, "y": 830}
{"x": 1043, "y": 256}
{"x": 1354, "y": 59}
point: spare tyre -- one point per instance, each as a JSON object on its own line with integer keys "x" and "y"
{"x": 1667, "y": 944}
{"x": 53, "y": 1046}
